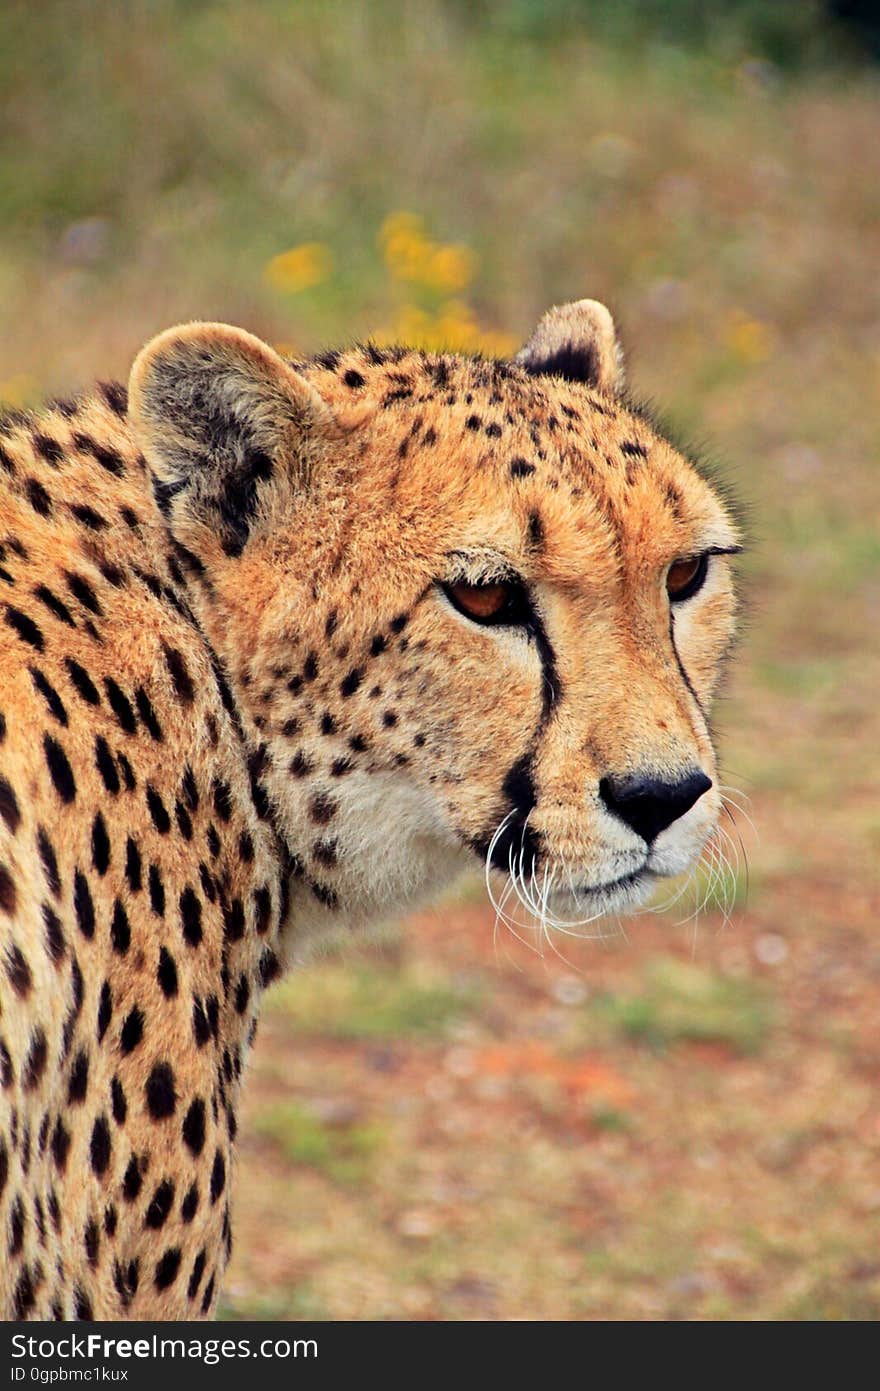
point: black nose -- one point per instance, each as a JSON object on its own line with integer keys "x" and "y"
{"x": 649, "y": 805}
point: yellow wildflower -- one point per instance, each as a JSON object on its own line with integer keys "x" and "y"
{"x": 300, "y": 268}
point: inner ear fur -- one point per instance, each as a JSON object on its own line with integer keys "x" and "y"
{"x": 577, "y": 341}
{"x": 217, "y": 413}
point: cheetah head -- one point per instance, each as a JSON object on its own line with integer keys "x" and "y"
{"x": 466, "y": 608}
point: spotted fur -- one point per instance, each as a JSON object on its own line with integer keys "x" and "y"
{"x": 238, "y": 714}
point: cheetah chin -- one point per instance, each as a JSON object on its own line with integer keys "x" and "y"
{"x": 284, "y": 647}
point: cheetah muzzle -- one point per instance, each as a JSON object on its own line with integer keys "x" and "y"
{"x": 283, "y": 648}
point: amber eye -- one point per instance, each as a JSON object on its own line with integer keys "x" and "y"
{"x": 503, "y": 601}
{"x": 684, "y": 577}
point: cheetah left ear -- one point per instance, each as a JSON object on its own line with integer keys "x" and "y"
{"x": 576, "y": 341}
{"x": 218, "y": 414}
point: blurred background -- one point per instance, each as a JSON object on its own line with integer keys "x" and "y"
{"x": 682, "y": 1119}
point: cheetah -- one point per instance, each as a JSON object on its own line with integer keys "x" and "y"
{"x": 284, "y": 647}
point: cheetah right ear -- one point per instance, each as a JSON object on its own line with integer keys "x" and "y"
{"x": 579, "y": 342}
{"x": 218, "y": 415}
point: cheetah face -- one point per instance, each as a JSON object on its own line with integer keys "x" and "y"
{"x": 466, "y": 608}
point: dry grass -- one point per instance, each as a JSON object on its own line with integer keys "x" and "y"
{"x": 679, "y": 1125}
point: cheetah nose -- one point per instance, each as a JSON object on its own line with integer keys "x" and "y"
{"x": 648, "y": 805}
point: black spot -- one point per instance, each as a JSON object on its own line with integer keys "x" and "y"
{"x": 133, "y": 1181}
{"x": 50, "y": 695}
{"x": 8, "y": 893}
{"x": 634, "y": 450}
{"x": 167, "y": 1268}
{"x": 351, "y": 682}
{"x": 389, "y": 719}
{"x": 218, "y": 1176}
{"x": 106, "y": 765}
{"x": 88, "y": 516}
{"x": 7, "y": 1072}
{"x": 54, "y": 934}
{"x": 82, "y": 682}
{"x": 161, "y": 1204}
{"x": 242, "y": 995}
{"x": 38, "y": 497}
{"x": 233, "y": 920}
{"x": 60, "y": 1145}
{"x": 92, "y": 1242}
{"x": 326, "y": 852}
{"x": 120, "y": 705}
{"x": 328, "y": 724}
{"x": 132, "y": 1030}
{"x": 194, "y": 1126}
{"x": 126, "y": 1278}
{"x": 109, "y": 459}
{"x": 300, "y": 766}
{"x": 35, "y": 1062}
{"x": 49, "y": 861}
{"x": 189, "y": 1206}
{"x": 133, "y": 866}
{"x": 184, "y": 823}
{"x": 353, "y": 378}
{"x": 25, "y": 1296}
{"x": 82, "y": 1305}
{"x": 83, "y": 905}
{"x": 378, "y": 644}
{"x": 127, "y": 774}
{"x": 201, "y": 1026}
{"x": 310, "y": 667}
{"x": 118, "y": 1101}
{"x": 166, "y": 973}
{"x": 83, "y": 591}
{"x": 208, "y": 1296}
{"x": 160, "y": 818}
{"x": 270, "y": 967}
{"x": 110, "y": 1220}
{"x": 191, "y": 916}
{"x": 100, "y": 1147}
{"x": 48, "y": 449}
{"x": 79, "y": 1077}
{"x": 157, "y": 891}
{"x": 189, "y": 789}
{"x": 493, "y": 430}
{"x": 159, "y": 1091}
{"x": 521, "y": 468}
{"x": 148, "y": 714}
{"x": 536, "y": 530}
{"x": 180, "y": 677}
{"x": 198, "y": 1269}
{"x": 263, "y": 905}
{"x": 9, "y": 810}
{"x": 25, "y": 627}
{"x": 116, "y": 396}
{"x": 340, "y": 766}
{"x": 105, "y": 1010}
{"x": 398, "y": 624}
{"x": 17, "y": 1223}
{"x": 55, "y": 605}
{"x": 100, "y": 845}
{"x": 222, "y": 799}
{"x": 120, "y": 931}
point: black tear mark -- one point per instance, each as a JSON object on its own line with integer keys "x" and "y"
{"x": 682, "y": 671}
{"x": 518, "y": 838}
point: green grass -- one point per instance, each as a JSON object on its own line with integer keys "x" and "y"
{"x": 348, "y": 1000}
{"x": 681, "y": 1002}
{"x": 343, "y": 1152}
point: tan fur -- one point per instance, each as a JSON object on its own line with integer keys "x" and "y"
{"x": 328, "y": 738}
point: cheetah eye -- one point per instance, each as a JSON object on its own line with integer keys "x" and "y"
{"x": 498, "y": 602}
{"x": 684, "y": 577}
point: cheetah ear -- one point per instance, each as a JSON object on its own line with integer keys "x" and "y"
{"x": 218, "y": 413}
{"x": 576, "y": 341}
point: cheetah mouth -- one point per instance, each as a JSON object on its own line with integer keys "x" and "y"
{"x": 613, "y": 892}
